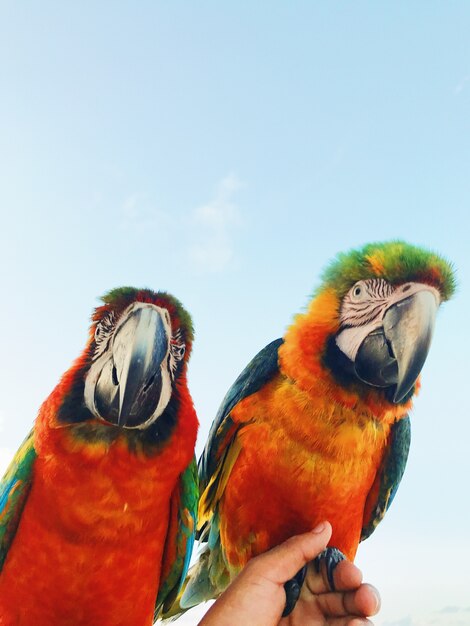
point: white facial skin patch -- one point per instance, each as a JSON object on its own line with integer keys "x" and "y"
{"x": 134, "y": 333}
{"x": 364, "y": 307}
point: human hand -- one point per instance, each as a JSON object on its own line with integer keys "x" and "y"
{"x": 257, "y": 596}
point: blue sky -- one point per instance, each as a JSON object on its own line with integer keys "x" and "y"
{"x": 225, "y": 152}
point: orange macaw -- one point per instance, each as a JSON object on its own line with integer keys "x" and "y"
{"x": 316, "y": 427}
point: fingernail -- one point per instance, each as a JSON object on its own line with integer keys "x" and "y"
{"x": 378, "y": 601}
{"x": 320, "y": 528}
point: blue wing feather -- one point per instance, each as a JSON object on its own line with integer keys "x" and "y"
{"x": 180, "y": 539}
{"x": 259, "y": 371}
{"x": 14, "y": 490}
{"x": 389, "y": 475}
{"x": 219, "y": 456}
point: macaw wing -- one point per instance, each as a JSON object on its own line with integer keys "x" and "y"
{"x": 180, "y": 538}
{"x": 222, "y": 447}
{"x": 14, "y": 489}
{"x": 388, "y": 477}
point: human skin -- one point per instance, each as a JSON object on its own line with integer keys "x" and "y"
{"x": 257, "y": 596}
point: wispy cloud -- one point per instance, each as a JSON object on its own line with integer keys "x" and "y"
{"x": 212, "y": 225}
{"x": 450, "y": 609}
{"x": 405, "y": 621}
{"x": 138, "y": 214}
{"x": 204, "y": 234}
{"x": 462, "y": 84}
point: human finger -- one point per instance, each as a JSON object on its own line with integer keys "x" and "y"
{"x": 346, "y": 576}
{"x": 349, "y": 621}
{"x": 363, "y": 602}
{"x": 284, "y": 561}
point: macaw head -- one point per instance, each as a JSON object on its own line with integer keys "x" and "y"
{"x": 388, "y": 297}
{"x": 374, "y": 315}
{"x": 135, "y": 358}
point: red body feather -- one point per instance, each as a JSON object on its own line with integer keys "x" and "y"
{"x": 89, "y": 546}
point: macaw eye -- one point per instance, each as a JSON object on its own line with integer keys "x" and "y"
{"x": 103, "y": 331}
{"x": 178, "y": 351}
{"x": 358, "y": 292}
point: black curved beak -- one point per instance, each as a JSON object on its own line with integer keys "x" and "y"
{"x": 395, "y": 353}
{"x": 128, "y": 390}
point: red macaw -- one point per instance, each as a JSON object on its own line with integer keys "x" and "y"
{"x": 98, "y": 508}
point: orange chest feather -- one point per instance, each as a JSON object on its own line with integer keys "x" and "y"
{"x": 303, "y": 459}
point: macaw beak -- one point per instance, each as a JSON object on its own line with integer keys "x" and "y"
{"x": 131, "y": 386}
{"x": 394, "y": 354}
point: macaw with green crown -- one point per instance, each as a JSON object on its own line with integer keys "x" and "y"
{"x": 317, "y": 426}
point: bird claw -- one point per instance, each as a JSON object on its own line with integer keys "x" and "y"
{"x": 292, "y": 588}
{"x": 326, "y": 563}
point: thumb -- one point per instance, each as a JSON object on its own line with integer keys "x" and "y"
{"x": 285, "y": 560}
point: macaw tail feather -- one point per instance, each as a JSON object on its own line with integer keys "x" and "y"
{"x": 176, "y": 610}
{"x": 198, "y": 587}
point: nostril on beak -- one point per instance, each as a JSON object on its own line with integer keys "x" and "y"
{"x": 114, "y": 376}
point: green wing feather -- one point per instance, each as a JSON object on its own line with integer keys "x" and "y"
{"x": 389, "y": 476}
{"x": 14, "y": 489}
{"x": 180, "y": 538}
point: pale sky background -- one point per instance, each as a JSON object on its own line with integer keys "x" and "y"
{"x": 225, "y": 151}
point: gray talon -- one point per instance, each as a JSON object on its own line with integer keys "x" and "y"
{"x": 329, "y": 559}
{"x": 326, "y": 560}
{"x": 292, "y": 588}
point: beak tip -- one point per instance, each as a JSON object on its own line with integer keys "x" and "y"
{"x": 399, "y": 395}
{"x": 409, "y": 328}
